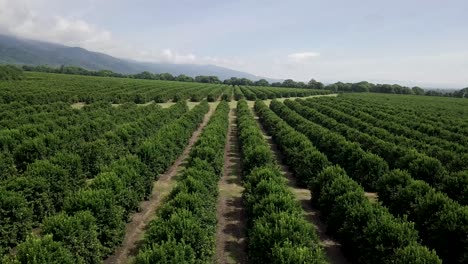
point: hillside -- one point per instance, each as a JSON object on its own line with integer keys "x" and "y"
{"x": 15, "y": 50}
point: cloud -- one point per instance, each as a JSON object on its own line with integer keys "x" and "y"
{"x": 18, "y": 18}
{"x": 302, "y": 57}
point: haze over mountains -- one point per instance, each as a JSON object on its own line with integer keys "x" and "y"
{"x": 14, "y": 50}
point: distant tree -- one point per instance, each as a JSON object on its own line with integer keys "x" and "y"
{"x": 207, "y": 79}
{"x": 262, "y": 82}
{"x": 105, "y": 73}
{"x": 301, "y": 85}
{"x": 361, "y": 87}
{"x": 184, "y": 78}
{"x": 289, "y": 83}
{"x": 313, "y": 84}
{"x": 166, "y": 76}
{"x": 340, "y": 87}
{"x": 245, "y": 81}
{"x": 417, "y": 90}
{"x": 463, "y": 93}
{"x": 276, "y": 84}
{"x": 231, "y": 81}
{"x": 144, "y": 75}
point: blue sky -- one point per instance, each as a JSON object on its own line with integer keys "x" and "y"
{"x": 409, "y": 42}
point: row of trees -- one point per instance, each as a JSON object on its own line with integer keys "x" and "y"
{"x": 54, "y": 192}
{"x": 364, "y": 166}
{"x": 368, "y": 233}
{"x": 422, "y": 167}
{"x": 184, "y": 231}
{"x": 362, "y": 86}
{"x": 435, "y": 215}
{"x": 48, "y": 88}
{"x": 451, "y": 152}
{"x": 277, "y": 230}
{"x": 441, "y": 222}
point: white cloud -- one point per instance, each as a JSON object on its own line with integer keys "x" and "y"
{"x": 19, "y": 19}
{"x": 302, "y": 57}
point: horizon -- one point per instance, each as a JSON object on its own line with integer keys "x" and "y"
{"x": 422, "y": 43}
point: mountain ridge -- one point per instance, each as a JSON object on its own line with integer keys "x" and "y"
{"x": 20, "y": 51}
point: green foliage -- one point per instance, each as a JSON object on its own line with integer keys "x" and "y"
{"x": 15, "y": 219}
{"x": 57, "y": 178}
{"x": 43, "y": 251}
{"x": 277, "y": 230}
{"x": 78, "y": 233}
{"x": 170, "y": 252}
{"x": 368, "y": 232}
{"x": 365, "y": 167}
{"x": 36, "y": 191}
{"x": 184, "y": 230}
{"x": 413, "y": 253}
{"x": 10, "y": 73}
{"x": 456, "y": 186}
{"x": 171, "y": 140}
{"x": 301, "y": 156}
{"x": 109, "y": 216}
{"x": 184, "y": 226}
{"x": 7, "y": 166}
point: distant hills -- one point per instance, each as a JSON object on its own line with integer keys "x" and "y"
{"x": 14, "y": 50}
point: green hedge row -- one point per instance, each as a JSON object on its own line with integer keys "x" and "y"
{"x": 299, "y": 153}
{"x": 92, "y": 222}
{"x": 368, "y": 232}
{"x": 450, "y": 155}
{"x": 443, "y": 223}
{"x": 184, "y": 231}
{"x": 46, "y": 183}
{"x": 402, "y": 205}
{"x": 419, "y": 165}
{"x": 42, "y": 88}
{"x": 238, "y": 95}
{"x": 397, "y": 124}
{"x": 277, "y": 229}
{"x": 364, "y": 166}
{"x": 171, "y": 140}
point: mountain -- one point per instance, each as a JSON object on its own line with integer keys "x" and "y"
{"x": 14, "y": 50}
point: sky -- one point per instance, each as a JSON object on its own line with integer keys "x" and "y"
{"x": 411, "y": 42}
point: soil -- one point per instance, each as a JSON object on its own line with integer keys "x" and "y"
{"x": 135, "y": 229}
{"x": 230, "y": 234}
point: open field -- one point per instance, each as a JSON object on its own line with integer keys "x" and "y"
{"x": 113, "y": 170}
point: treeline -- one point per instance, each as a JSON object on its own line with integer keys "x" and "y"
{"x": 359, "y": 87}
{"x": 463, "y": 93}
{"x": 107, "y": 73}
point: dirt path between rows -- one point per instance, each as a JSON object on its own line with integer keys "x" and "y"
{"x": 135, "y": 229}
{"x": 332, "y": 248}
{"x": 230, "y": 233}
